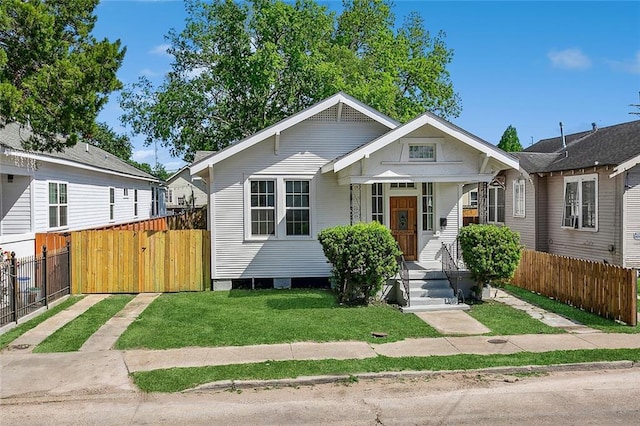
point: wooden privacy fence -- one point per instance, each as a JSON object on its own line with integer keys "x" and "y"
{"x": 108, "y": 261}
{"x": 606, "y": 290}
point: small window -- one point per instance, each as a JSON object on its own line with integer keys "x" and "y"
{"x": 496, "y": 204}
{"x": 125, "y": 192}
{"x": 518, "y": 198}
{"x": 422, "y": 153}
{"x": 112, "y": 203}
{"x": 403, "y": 185}
{"x": 377, "y": 203}
{"x": 473, "y": 198}
{"x": 263, "y": 211}
{"x": 57, "y": 204}
{"x": 580, "y": 202}
{"x": 428, "y": 210}
{"x": 297, "y": 207}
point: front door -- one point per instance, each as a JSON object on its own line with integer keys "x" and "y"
{"x": 404, "y": 212}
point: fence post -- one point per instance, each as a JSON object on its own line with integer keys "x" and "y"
{"x": 14, "y": 285}
{"x": 44, "y": 276}
{"x": 69, "y": 264}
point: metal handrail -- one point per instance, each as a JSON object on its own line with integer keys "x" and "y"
{"x": 450, "y": 263}
{"x": 404, "y": 275}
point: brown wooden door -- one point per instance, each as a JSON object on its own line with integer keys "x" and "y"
{"x": 404, "y": 211}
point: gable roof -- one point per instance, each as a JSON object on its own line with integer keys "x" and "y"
{"x": 612, "y": 146}
{"x": 426, "y": 118}
{"x": 288, "y": 122}
{"x": 81, "y": 155}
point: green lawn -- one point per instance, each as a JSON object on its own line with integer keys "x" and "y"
{"x": 251, "y": 317}
{"x": 19, "y": 330}
{"x": 72, "y": 336}
{"x": 178, "y": 379}
{"x": 504, "y": 320}
{"x": 586, "y": 318}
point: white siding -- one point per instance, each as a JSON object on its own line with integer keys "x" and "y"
{"x": 88, "y": 197}
{"x": 525, "y": 226}
{"x": 16, "y": 205}
{"x": 303, "y": 149}
{"x": 182, "y": 186}
{"x": 583, "y": 243}
{"x": 632, "y": 219}
{"x": 447, "y": 206}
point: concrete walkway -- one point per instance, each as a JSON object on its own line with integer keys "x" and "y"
{"x": 98, "y": 369}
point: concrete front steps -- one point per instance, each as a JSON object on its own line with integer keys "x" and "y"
{"x": 429, "y": 290}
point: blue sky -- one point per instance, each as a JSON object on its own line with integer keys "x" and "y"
{"x": 526, "y": 64}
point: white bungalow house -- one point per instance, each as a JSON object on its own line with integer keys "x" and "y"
{"x": 183, "y": 193}
{"x": 338, "y": 162}
{"x": 81, "y": 187}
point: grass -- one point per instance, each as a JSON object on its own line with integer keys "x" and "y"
{"x": 72, "y": 336}
{"x": 19, "y": 330}
{"x": 505, "y": 320}
{"x": 251, "y": 317}
{"x": 586, "y": 318}
{"x": 178, "y": 379}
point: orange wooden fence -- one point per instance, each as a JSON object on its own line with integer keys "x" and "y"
{"x": 53, "y": 241}
{"x": 116, "y": 261}
{"x": 606, "y": 290}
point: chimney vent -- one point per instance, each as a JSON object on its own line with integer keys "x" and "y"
{"x": 86, "y": 147}
{"x": 564, "y": 142}
{"x": 594, "y": 126}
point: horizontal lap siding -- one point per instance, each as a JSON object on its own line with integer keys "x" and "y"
{"x": 525, "y": 226}
{"x": 584, "y": 244}
{"x": 302, "y": 149}
{"x": 632, "y": 218}
{"x": 446, "y": 206}
{"x": 16, "y": 205}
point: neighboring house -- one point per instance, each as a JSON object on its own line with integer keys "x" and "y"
{"x": 183, "y": 193}
{"x": 580, "y": 197}
{"x": 338, "y": 162}
{"x": 81, "y": 187}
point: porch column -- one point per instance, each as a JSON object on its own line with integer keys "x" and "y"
{"x": 482, "y": 202}
{"x": 355, "y": 200}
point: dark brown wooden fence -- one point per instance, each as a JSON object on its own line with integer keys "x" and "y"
{"x": 115, "y": 261}
{"x": 606, "y": 290}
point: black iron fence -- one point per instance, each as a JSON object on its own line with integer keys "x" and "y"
{"x": 29, "y": 283}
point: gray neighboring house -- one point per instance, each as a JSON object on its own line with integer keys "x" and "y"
{"x": 579, "y": 195}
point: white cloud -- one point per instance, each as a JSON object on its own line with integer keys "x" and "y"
{"x": 160, "y": 49}
{"x": 569, "y": 59}
{"x": 148, "y": 73}
{"x": 630, "y": 67}
{"x": 142, "y": 154}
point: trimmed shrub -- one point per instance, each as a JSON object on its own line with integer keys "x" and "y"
{"x": 363, "y": 257}
{"x": 492, "y": 253}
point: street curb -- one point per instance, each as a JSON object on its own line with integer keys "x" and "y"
{"x": 318, "y": 380}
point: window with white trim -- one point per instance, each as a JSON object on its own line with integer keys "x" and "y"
{"x": 403, "y": 185}
{"x": 496, "y": 204}
{"x": 125, "y": 192}
{"x": 263, "y": 207}
{"x": 422, "y": 153}
{"x": 297, "y": 207}
{"x": 428, "y": 208}
{"x": 580, "y": 206}
{"x": 473, "y": 198}
{"x": 135, "y": 202}
{"x": 518, "y": 198}
{"x": 377, "y": 203}
{"x": 57, "y": 204}
{"x": 112, "y": 203}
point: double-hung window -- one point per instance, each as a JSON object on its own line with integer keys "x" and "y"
{"x": 377, "y": 203}
{"x": 135, "y": 202}
{"x": 428, "y": 211}
{"x": 496, "y": 204}
{"x": 263, "y": 207}
{"x": 297, "y": 207}
{"x": 580, "y": 202}
{"x": 57, "y": 204}
{"x": 112, "y": 203}
{"x": 518, "y": 198}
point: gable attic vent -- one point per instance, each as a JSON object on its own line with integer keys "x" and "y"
{"x": 329, "y": 114}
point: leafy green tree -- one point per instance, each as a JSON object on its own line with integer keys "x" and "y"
{"x": 106, "y": 138}
{"x": 492, "y": 253}
{"x": 362, "y": 256}
{"x": 54, "y": 75}
{"x": 241, "y": 66}
{"x": 509, "y": 141}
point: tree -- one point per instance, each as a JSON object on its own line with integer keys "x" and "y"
{"x": 106, "y": 138}
{"x": 509, "y": 141}
{"x": 54, "y": 75}
{"x": 362, "y": 257}
{"x": 242, "y": 66}
{"x": 492, "y": 253}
